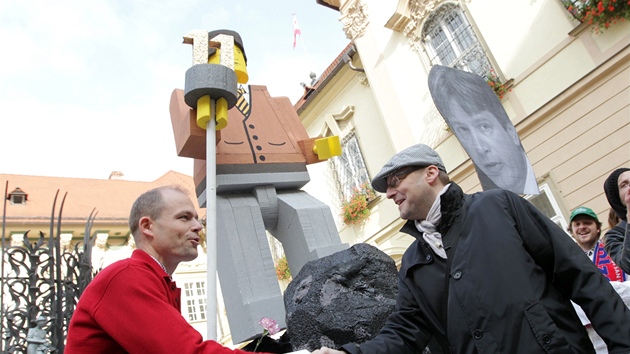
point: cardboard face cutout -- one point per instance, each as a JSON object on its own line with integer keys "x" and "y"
{"x": 476, "y": 117}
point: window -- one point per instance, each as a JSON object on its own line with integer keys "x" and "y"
{"x": 195, "y": 299}
{"x": 17, "y": 196}
{"x": 449, "y": 40}
{"x": 546, "y": 203}
{"x": 349, "y": 169}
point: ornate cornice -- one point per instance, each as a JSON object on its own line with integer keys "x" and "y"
{"x": 410, "y": 14}
{"x": 354, "y": 18}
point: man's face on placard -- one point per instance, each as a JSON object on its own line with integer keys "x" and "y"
{"x": 495, "y": 151}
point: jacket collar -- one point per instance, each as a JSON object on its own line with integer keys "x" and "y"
{"x": 451, "y": 201}
{"x": 146, "y": 258}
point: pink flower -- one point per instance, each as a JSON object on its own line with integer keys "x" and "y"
{"x": 269, "y": 325}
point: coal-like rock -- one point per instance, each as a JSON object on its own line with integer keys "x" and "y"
{"x": 270, "y": 345}
{"x": 342, "y": 298}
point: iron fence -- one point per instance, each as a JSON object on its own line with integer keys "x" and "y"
{"x": 42, "y": 281}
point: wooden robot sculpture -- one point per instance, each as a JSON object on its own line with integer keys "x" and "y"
{"x": 253, "y": 167}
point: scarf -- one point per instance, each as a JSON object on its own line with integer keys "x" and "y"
{"x": 428, "y": 226}
{"x": 603, "y": 261}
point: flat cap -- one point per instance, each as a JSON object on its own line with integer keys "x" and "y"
{"x": 419, "y": 155}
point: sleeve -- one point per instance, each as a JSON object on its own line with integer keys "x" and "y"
{"x": 623, "y": 289}
{"x": 617, "y": 244}
{"x": 134, "y": 309}
{"x": 573, "y": 274}
{"x": 403, "y": 332}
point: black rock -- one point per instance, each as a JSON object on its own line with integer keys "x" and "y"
{"x": 270, "y": 345}
{"x": 342, "y": 298}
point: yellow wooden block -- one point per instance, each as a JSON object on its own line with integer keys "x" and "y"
{"x": 221, "y": 115}
{"x": 203, "y": 111}
{"x": 328, "y": 147}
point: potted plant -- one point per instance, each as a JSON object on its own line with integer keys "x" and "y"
{"x": 499, "y": 88}
{"x": 282, "y": 269}
{"x": 356, "y": 210}
{"x": 600, "y": 13}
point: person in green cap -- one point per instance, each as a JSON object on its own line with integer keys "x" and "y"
{"x": 586, "y": 229}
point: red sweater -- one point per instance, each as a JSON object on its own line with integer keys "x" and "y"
{"x": 132, "y": 306}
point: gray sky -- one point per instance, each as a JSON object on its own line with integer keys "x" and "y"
{"x": 85, "y": 85}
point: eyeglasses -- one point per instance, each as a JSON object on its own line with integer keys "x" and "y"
{"x": 399, "y": 175}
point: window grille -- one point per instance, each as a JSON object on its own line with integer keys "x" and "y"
{"x": 349, "y": 169}
{"x": 449, "y": 40}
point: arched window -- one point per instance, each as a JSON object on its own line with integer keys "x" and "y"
{"x": 450, "y": 40}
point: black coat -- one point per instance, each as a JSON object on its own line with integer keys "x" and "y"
{"x": 617, "y": 244}
{"x": 513, "y": 272}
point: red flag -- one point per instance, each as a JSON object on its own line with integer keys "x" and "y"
{"x": 296, "y": 30}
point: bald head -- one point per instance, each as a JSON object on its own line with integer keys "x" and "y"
{"x": 151, "y": 204}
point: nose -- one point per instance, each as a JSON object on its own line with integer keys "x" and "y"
{"x": 196, "y": 227}
{"x": 390, "y": 192}
{"x": 479, "y": 142}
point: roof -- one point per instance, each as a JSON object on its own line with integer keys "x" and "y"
{"x": 329, "y": 3}
{"x": 112, "y": 198}
{"x": 311, "y": 91}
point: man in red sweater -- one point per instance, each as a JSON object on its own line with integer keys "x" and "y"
{"x": 133, "y": 305}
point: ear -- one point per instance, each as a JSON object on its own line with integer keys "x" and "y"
{"x": 432, "y": 173}
{"x": 145, "y": 225}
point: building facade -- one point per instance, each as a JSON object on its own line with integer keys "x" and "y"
{"x": 564, "y": 84}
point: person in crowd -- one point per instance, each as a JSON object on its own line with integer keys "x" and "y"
{"x": 613, "y": 219}
{"x": 617, "y": 190}
{"x": 487, "y": 273}
{"x": 133, "y": 305}
{"x": 586, "y": 229}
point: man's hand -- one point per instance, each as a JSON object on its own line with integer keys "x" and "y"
{"x": 324, "y": 350}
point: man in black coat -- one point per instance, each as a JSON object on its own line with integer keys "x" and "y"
{"x": 487, "y": 273}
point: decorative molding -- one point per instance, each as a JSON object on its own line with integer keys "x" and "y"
{"x": 363, "y": 80}
{"x": 410, "y": 14}
{"x": 354, "y": 18}
{"x": 345, "y": 114}
{"x": 401, "y": 17}
{"x": 419, "y": 10}
{"x": 65, "y": 241}
{"x": 101, "y": 240}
